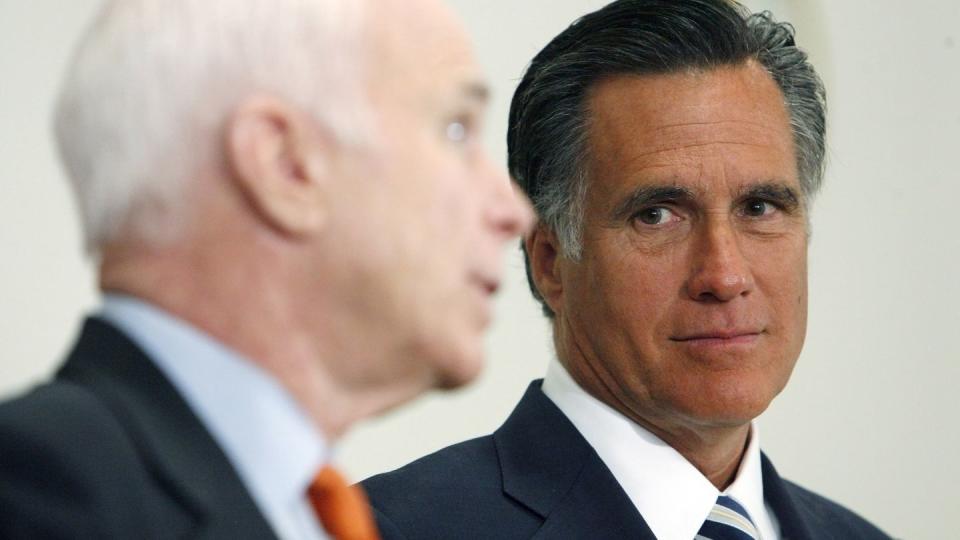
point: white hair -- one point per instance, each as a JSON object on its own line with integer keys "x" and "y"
{"x": 152, "y": 82}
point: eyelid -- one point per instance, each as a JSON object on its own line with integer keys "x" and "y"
{"x": 783, "y": 198}
{"x": 664, "y": 202}
{"x": 670, "y": 204}
{"x": 777, "y": 203}
{"x": 772, "y": 202}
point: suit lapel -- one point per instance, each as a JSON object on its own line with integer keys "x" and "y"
{"x": 175, "y": 446}
{"x": 595, "y": 507}
{"x": 548, "y": 467}
{"x": 793, "y": 524}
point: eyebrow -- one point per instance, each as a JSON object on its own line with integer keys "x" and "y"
{"x": 476, "y": 91}
{"x": 782, "y": 194}
{"x": 647, "y": 195}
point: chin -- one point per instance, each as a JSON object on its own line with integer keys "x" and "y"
{"x": 450, "y": 352}
{"x": 460, "y": 366}
{"x": 738, "y": 397}
{"x": 730, "y": 408}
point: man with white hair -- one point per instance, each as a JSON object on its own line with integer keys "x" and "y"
{"x": 297, "y": 227}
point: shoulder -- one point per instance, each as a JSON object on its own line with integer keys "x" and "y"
{"x": 822, "y": 514}
{"x": 67, "y": 467}
{"x": 467, "y": 469}
{"x": 450, "y": 468}
{"x": 53, "y": 410}
{"x": 60, "y": 421}
{"x": 447, "y": 494}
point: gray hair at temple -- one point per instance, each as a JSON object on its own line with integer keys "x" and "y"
{"x": 548, "y": 116}
{"x": 152, "y": 82}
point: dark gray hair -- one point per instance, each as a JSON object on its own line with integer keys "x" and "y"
{"x": 547, "y": 133}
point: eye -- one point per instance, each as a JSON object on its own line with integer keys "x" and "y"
{"x": 456, "y": 131}
{"x": 656, "y": 215}
{"x": 460, "y": 130}
{"x": 758, "y": 208}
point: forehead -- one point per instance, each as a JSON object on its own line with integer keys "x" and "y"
{"x": 418, "y": 46}
{"x": 724, "y": 121}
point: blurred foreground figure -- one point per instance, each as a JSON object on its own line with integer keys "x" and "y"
{"x": 297, "y": 228}
{"x": 672, "y": 150}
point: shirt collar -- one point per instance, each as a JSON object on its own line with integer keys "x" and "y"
{"x": 267, "y": 437}
{"x": 673, "y": 497}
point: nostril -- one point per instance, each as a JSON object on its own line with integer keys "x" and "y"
{"x": 707, "y": 298}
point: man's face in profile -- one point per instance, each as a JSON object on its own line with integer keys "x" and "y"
{"x": 434, "y": 211}
{"x": 688, "y": 305}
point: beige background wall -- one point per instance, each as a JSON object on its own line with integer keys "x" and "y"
{"x": 872, "y": 415}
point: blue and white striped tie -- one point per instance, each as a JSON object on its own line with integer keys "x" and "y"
{"x": 728, "y": 521}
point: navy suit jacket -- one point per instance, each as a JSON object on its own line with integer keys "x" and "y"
{"x": 537, "y": 477}
{"x": 109, "y": 449}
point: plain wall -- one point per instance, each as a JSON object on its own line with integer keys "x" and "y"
{"x": 870, "y": 417}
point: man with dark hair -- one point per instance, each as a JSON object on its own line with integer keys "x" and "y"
{"x": 672, "y": 150}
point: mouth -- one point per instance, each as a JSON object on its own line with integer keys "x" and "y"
{"x": 489, "y": 285}
{"x": 719, "y": 338}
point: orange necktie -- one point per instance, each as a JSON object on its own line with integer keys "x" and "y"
{"x": 343, "y": 509}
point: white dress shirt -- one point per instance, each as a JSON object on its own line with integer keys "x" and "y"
{"x": 673, "y": 497}
{"x": 270, "y": 442}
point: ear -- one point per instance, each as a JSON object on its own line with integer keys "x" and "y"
{"x": 543, "y": 250}
{"x": 280, "y": 161}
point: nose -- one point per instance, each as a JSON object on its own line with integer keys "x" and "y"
{"x": 510, "y": 212}
{"x": 721, "y": 272}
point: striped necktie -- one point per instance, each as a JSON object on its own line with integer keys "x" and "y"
{"x": 728, "y": 521}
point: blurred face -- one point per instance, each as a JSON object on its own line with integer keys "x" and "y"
{"x": 688, "y": 306}
{"x": 428, "y": 212}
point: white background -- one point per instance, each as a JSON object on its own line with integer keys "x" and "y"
{"x": 872, "y": 414}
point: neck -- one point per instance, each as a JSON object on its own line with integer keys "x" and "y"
{"x": 717, "y": 454}
{"x": 715, "y": 449}
{"x": 244, "y": 307}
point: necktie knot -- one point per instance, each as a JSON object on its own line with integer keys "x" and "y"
{"x": 343, "y": 509}
{"x": 728, "y": 520}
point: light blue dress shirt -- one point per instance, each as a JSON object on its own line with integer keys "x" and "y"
{"x": 272, "y": 444}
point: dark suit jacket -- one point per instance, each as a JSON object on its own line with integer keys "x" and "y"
{"x": 537, "y": 477}
{"x": 109, "y": 449}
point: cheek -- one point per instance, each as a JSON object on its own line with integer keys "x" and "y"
{"x": 455, "y": 217}
{"x": 784, "y": 281}
{"x": 434, "y": 193}
{"x": 629, "y": 290}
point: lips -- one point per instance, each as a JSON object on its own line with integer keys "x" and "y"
{"x": 489, "y": 284}
{"x": 726, "y": 337}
